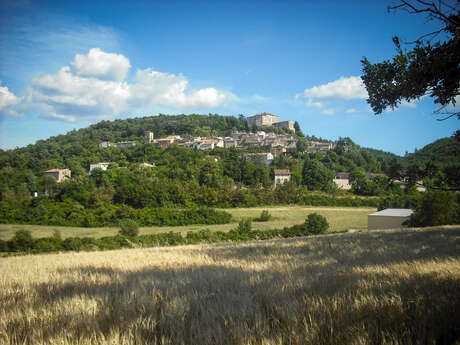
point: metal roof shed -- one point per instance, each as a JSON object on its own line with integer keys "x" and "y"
{"x": 390, "y": 218}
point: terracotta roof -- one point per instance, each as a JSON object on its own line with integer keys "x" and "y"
{"x": 282, "y": 172}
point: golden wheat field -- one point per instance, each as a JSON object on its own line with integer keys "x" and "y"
{"x": 382, "y": 287}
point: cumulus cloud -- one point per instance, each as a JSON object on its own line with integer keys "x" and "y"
{"x": 169, "y": 89}
{"x": 66, "y": 96}
{"x": 101, "y": 65}
{"x": 7, "y": 100}
{"x": 343, "y": 88}
{"x": 94, "y": 85}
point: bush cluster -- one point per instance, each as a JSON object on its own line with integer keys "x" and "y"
{"x": 265, "y": 216}
{"x": 42, "y": 211}
{"x": 23, "y": 242}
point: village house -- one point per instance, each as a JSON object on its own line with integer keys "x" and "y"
{"x": 166, "y": 142}
{"x": 285, "y": 124}
{"x": 265, "y": 157}
{"x": 103, "y": 166}
{"x": 148, "y": 137}
{"x": 230, "y": 142}
{"x": 126, "y": 144}
{"x": 342, "y": 180}
{"x": 59, "y": 174}
{"x": 106, "y": 144}
{"x": 282, "y": 176}
{"x": 322, "y": 147}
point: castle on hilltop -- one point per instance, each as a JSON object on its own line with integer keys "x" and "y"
{"x": 268, "y": 120}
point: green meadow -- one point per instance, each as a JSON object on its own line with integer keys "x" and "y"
{"x": 339, "y": 218}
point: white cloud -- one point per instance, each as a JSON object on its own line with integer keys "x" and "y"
{"x": 329, "y": 111}
{"x": 94, "y": 86}
{"x": 152, "y": 87}
{"x": 7, "y": 100}
{"x": 343, "y": 88}
{"x": 65, "y": 96}
{"x": 351, "y": 111}
{"x": 101, "y": 65}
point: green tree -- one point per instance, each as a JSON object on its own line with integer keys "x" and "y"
{"x": 436, "y": 208}
{"x": 128, "y": 228}
{"x": 298, "y": 131}
{"x": 316, "y": 224}
{"x": 315, "y": 175}
{"x": 431, "y": 66}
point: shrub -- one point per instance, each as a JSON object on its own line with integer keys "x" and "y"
{"x": 128, "y": 228}
{"x": 244, "y": 226}
{"x": 23, "y": 241}
{"x": 264, "y": 217}
{"x": 436, "y": 208}
{"x": 316, "y": 224}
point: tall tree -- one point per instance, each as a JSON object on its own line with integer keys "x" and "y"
{"x": 431, "y": 67}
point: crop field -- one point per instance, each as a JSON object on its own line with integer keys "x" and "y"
{"x": 379, "y": 287}
{"x": 339, "y": 218}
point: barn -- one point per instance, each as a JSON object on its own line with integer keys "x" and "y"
{"x": 390, "y": 218}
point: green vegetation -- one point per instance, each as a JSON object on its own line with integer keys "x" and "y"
{"x": 24, "y": 243}
{"x": 431, "y": 66}
{"x": 316, "y": 224}
{"x": 340, "y": 219}
{"x": 436, "y": 208}
{"x": 128, "y": 228}
{"x": 265, "y": 216}
{"x": 185, "y": 182}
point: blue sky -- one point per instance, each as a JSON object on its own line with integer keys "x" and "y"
{"x": 68, "y": 64}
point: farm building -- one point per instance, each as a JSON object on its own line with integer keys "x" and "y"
{"x": 390, "y": 218}
{"x": 282, "y": 176}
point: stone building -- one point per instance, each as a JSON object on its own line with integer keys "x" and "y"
{"x": 59, "y": 174}
{"x": 264, "y": 119}
{"x": 148, "y": 137}
{"x": 285, "y": 124}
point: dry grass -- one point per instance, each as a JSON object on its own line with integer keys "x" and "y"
{"x": 339, "y": 218}
{"x": 382, "y": 287}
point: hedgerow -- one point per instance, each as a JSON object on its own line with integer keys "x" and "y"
{"x": 243, "y": 232}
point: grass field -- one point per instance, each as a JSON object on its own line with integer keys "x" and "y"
{"x": 380, "y": 287}
{"x": 339, "y": 219}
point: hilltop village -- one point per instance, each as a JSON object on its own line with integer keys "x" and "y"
{"x": 275, "y": 145}
{"x": 278, "y": 144}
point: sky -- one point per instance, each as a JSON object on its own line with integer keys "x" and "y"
{"x": 65, "y": 65}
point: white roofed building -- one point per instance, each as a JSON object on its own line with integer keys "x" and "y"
{"x": 390, "y": 218}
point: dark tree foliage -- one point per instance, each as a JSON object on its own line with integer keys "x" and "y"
{"x": 436, "y": 208}
{"x": 431, "y": 67}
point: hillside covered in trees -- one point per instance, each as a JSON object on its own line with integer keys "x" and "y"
{"x": 185, "y": 178}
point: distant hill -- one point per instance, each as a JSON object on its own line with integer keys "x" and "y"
{"x": 443, "y": 153}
